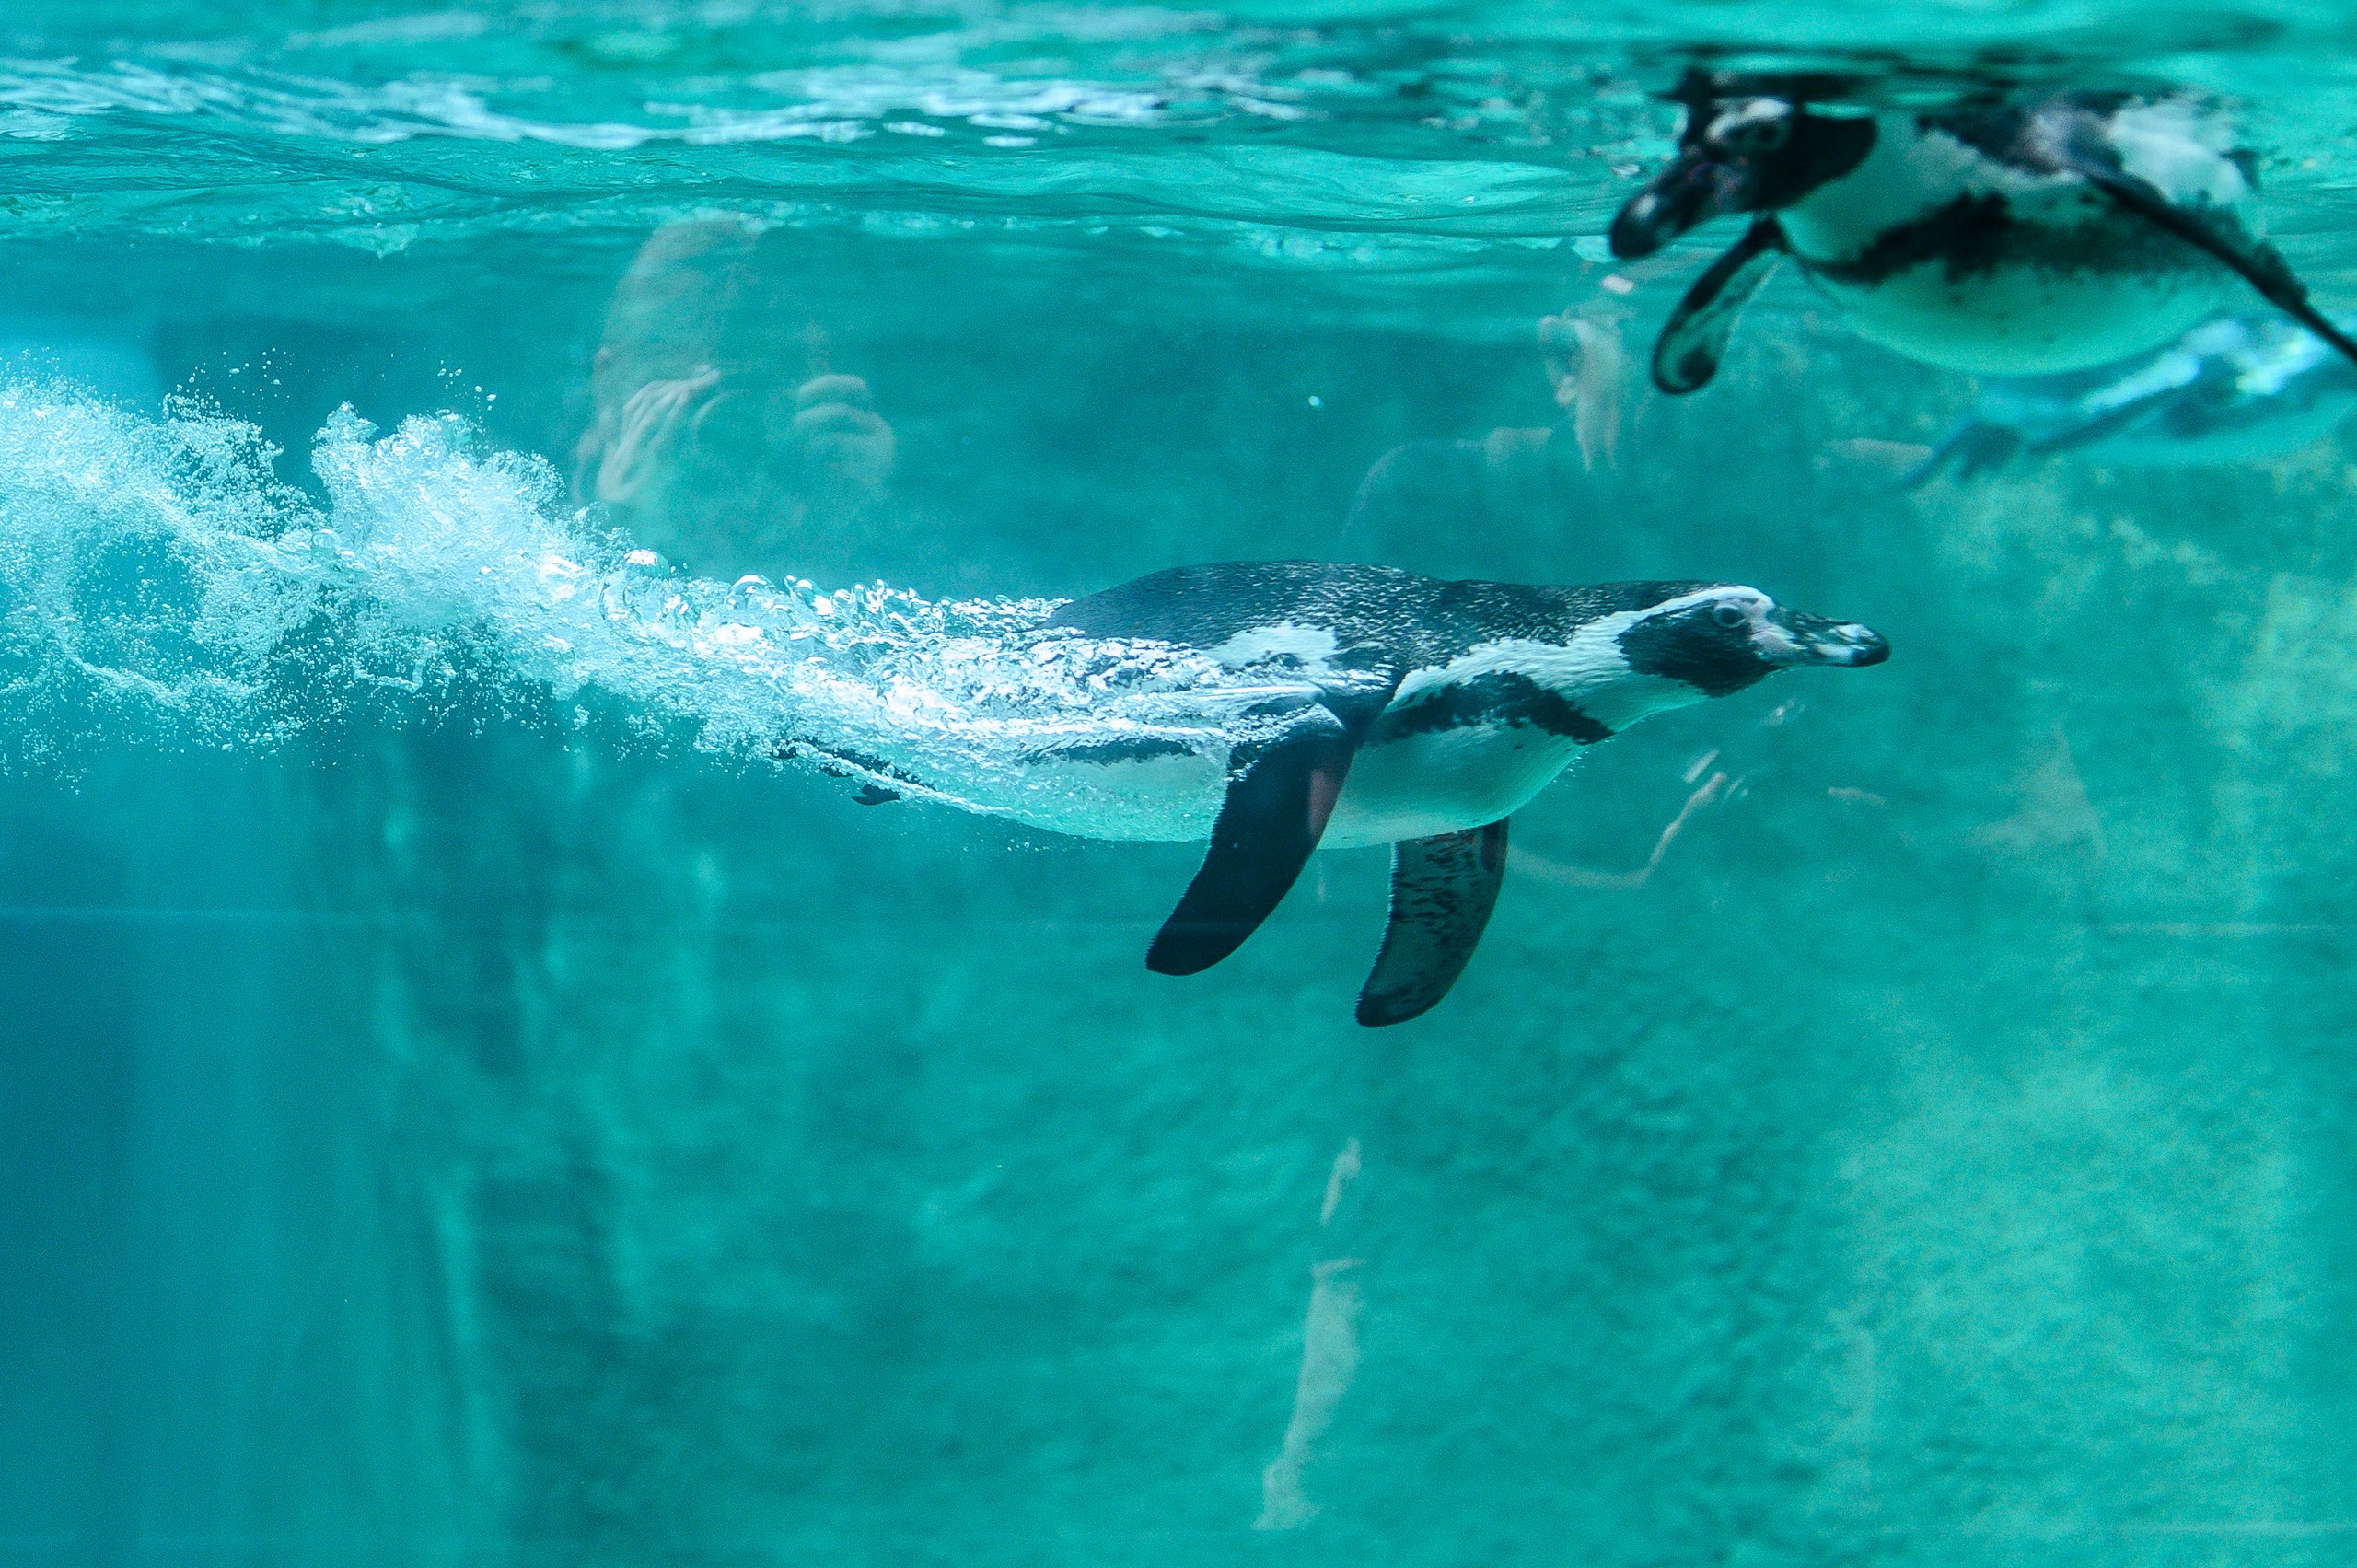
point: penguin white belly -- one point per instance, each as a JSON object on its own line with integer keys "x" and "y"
{"x": 2024, "y": 319}
{"x": 1410, "y": 787}
{"x": 1444, "y": 781}
{"x": 1948, "y": 257}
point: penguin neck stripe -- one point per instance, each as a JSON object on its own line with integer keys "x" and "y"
{"x": 1977, "y": 235}
{"x": 1503, "y": 698}
{"x": 1589, "y": 672}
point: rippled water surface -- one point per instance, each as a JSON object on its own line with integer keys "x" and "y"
{"x": 552, "y": 1011}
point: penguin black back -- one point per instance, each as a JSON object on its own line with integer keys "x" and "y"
{"x": 1379, "y": 611}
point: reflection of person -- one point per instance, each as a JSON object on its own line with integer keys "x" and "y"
{"x": 721, "y": 436}
{"x": 1421, "y": 498}
{"x": 1330, "y": 1358}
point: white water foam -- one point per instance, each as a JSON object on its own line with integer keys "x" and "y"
{"x": 160, "y": 584}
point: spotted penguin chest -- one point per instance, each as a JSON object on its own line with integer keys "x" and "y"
{"x": 2037, "y": 304}
{"x": 1960, "y": 265}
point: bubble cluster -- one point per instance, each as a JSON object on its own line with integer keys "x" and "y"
{"x": 160, "y": 585}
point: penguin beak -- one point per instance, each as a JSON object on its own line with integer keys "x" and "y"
{"x": 1695, "y": 189}
{"x": 1796, "y": 638}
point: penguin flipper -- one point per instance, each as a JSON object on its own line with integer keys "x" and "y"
{"x": 1279, "y": 796}
{"x": 2261, "y": 265}
{"x": 1443, "y": 889}
{"x": 1694, "y": 339}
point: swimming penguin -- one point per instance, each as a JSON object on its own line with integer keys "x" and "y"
{"x": 2230, "y": 391}
{"x": 1998, "y": 236}
{"x": 1432, "y": 710}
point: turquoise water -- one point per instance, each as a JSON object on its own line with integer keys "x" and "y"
{"x": 478, "y": 1086}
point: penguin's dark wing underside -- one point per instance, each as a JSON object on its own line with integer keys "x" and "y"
{"x": 1694, "y": 339}
{"x": 1280, "y": 794}
{"x": 2259, "y": 263}
{"x": 1443, "y": 889}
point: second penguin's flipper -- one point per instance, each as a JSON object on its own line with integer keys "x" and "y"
{"x": 1441, "y": 891}
{"x": 1694, "y": 339}
{"x": 2259, "y": 263}
{"x": 1278, "y": 801}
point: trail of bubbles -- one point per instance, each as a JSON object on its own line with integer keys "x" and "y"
{"x": 159, "y": 584}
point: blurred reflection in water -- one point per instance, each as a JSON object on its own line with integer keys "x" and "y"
{"x": 1329, "y": 1355}
{"x": 1427, "y": 500}
{"x": 723, "y": 433}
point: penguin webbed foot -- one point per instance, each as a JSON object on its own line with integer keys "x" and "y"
{"x": 1973, "y": 448}
{"x": 868, "y": 772}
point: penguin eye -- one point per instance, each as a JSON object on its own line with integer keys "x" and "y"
{"x": 1729, "y": 616}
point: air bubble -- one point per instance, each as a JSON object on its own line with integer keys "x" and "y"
{"x": 441, "y": 577}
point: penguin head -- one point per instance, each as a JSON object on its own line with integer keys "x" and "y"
{"x": 1721, "y": 638}
{"x": 1742, "y": 150}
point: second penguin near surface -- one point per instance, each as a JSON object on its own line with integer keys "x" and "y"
{"x": 1997, "y": 235}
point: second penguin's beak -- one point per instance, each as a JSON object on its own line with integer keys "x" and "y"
{"x": 1695, "y": 189}
{"x": 1801, "y": 638}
